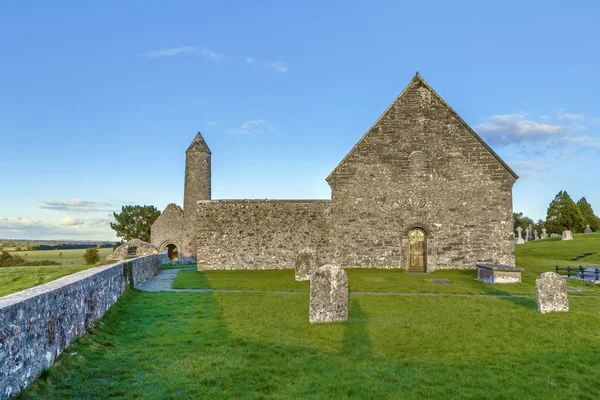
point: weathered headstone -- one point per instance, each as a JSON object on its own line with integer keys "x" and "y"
{"x": 544, "y": 234}
{"x": 519, "y": 238}
{"x": 551, "y": 291}
{"x": 588, "y": 229}
{"x": 535, "y": 235}
{"x": 567, "y": 235}
{"x": 328, "y": 295}
{"x": 306, "y": 264}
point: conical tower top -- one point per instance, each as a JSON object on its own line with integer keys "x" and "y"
{"x": 198, "y": 144}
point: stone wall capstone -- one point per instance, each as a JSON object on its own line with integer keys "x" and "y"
{"x": 328, "y": 295}
{"x": 37, "y": 324}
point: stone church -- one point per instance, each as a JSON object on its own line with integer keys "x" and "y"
{"x": 419, "y": 191}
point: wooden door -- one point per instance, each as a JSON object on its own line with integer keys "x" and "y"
{"x": 417, "y": 251}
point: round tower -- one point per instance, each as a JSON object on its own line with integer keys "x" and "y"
{"x": 197, "y": 175}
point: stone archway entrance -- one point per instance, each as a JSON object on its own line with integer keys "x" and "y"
{"x": 417, "y": 250}
{"x": 172, "y": 252}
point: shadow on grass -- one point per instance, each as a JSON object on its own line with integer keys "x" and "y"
{"x": 356, "y": 341}
{"x": 492, "y": 290}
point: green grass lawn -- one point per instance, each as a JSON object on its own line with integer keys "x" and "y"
{"x": 261, "y": 346}
{"x": 13, "y": 279}
{"x": 534, "y": 257}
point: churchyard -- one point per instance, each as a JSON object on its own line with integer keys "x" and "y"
{"x": 465, "y": 339}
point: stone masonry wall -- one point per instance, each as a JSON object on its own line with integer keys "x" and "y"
{"x": 168, "y": 228}
{"x": 260, "y": 234}
{"x": 461, "y": 196}
{"x": 37, "y": 324}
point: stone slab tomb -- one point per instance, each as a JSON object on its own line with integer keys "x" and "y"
{"x": 551, "y": 291}
{"x": 132, "y": 249}
{"x": 497, "y": 273}
{"x": 567, "y": 235}
{"x": 306, "y": 264}
{"x": 328, "y": 295}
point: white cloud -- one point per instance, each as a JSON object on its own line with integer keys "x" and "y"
{"x": 277, "y": 66}
{"x": 18, "y": 222}
{"x": 588, "y": 142}
{"x": 539, "y": 166}
{"x": 211, "y": 55}
{"x": 569, "y": 116}
{"x": 71, "y": 221}
{"x": 212, "y": 123}
{"x": 253, "y": 126}
{"x": 174, "y": 51}
{"x": 250, "y": 60}
{"x": 511, "y": 128}
{"x": 77, "y": 205}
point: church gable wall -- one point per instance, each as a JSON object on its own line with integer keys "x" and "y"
{"x": 462, "y": 194}
{"x": 260, "y": 234}
{"x": 168, "y": 228}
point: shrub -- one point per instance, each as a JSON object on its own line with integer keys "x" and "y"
{"x": 91, "y": 256}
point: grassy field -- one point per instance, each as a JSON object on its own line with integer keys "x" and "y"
{"x": 13, "y": 279}
{"x": 534, "y": 257}
{"x": 261, "y": 346}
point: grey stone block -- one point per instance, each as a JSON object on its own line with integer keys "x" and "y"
{"x": 551, "y": 291}
{"x": 328, "y": 295}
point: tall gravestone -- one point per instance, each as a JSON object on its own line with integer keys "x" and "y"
{"x": 328, "y": 295}
{"x": 551, "y": 291}
{"x": 306, "y": 264}
{"x": 544, "y": 234}
{"x": 527, "y": 235}
{"x": 588, "y": 229}
{"x": 519, "y": 239}
{"x": 567, "y": 235}
{"x": 535, "y": 235}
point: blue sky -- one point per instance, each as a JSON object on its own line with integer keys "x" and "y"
{"x": 100, "y": 100}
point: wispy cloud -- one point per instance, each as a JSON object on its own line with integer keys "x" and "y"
{"x": 77, "y": 205}
{"x": 71, "y": 221}
{"x": 512, "y": 128}
{"x": 18, "y": 222}
{"x": 176, "y": 51}
{"x": 277, "y": 66}
{"x": 569, "y": 116}
{"x": 250, "y": 60}
{"x": 212, "y": 123}
{"x": 253, "y": 126}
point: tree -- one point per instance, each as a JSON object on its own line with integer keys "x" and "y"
{"x": 587, "y": 212}
{"x": 563, "y": 214}
{"x": 520, "y": 220}
{"x": 134, "y": 222}
{"x": 91, "y": 256}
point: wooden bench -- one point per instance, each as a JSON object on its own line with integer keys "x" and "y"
{"x": 498, "y": 273}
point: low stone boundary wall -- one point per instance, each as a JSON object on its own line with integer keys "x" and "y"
{"x": 37, "y": 324}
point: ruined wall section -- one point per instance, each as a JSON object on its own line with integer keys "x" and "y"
{"x": 260, "y": 234}
{"x": 168, "y": 228}
{"x": 461, "y": 195}
{"x": 37, "y": 324}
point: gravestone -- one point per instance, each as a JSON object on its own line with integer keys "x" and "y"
{"x": 519, "y": 238}
{"x": 544, "y": 234}
{"x": 567, "y": 235}
{"x": 328, "y": 295}
{"x": 535, "y": 235}
{"x": 526, "y": 235}
{"x": 588, "y": 229}
{"x": 551, "y": 291}
{"x": 306, "y": 264}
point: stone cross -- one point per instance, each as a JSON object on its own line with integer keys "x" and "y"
{"x": 519, "y": 239}
{"x": 544, "y": 233}
{"x": 527, "y": 232}
{"x": 535, "y": 235}
{"x": 588, "y": 229}
{"x": 306, "y": 264}
{"x": 551, "y": 291}
{"x": 328, "y": 295}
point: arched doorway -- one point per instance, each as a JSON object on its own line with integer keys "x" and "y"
{"x": 417, "y": 250}
{"x": 172, "y": 252}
